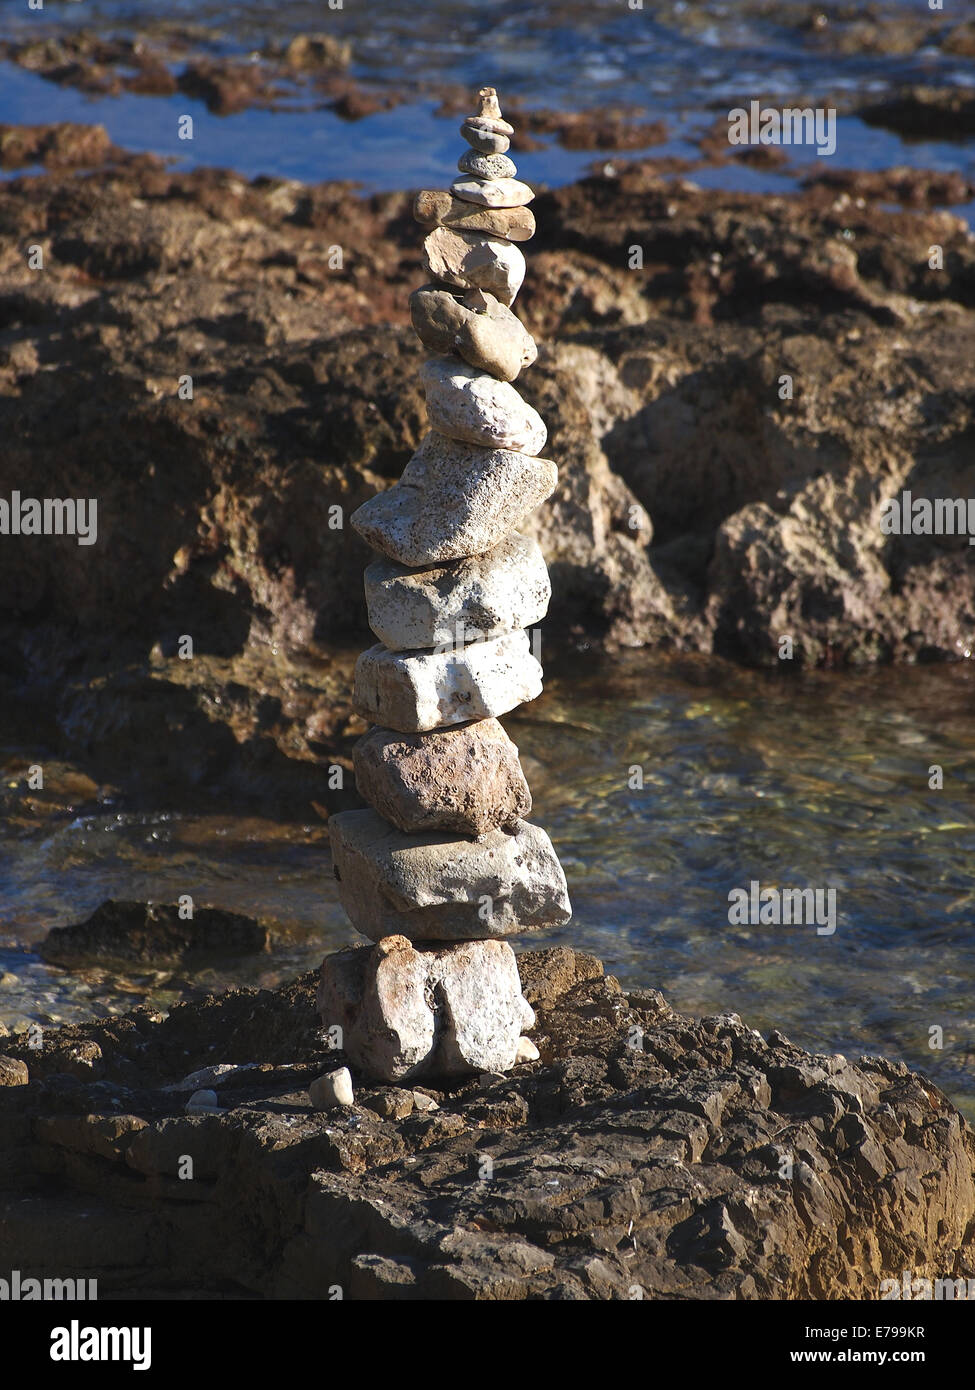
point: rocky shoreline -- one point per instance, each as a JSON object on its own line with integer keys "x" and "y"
{"x": 643, "y": 1155}
{"x": 699, "y": 508}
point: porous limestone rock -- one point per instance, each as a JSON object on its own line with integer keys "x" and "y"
{"x": 433, "y": 888}
{"x": 477, "y": 326}
{"x": 454, "y": 501}
{"x": 471, "y": 406}
{"x": 475, "y": 261}
{"x": 416, "y": 691}
{"x": 435, "y": 207}
{"x": 406, "y": 1013}
{"x": 487, "y": 166}
{"x": 504, "y": 589}
{"x": 466, "y": 780}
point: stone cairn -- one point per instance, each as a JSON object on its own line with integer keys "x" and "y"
{"x": 444, "y": 866}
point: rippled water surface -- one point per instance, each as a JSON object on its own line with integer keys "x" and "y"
{"x": 687, "y": 63}
{"x": 819, "y": 780}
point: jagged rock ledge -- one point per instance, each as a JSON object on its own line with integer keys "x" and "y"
{"x": 643, "y": 1155}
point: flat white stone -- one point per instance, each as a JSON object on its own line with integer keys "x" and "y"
{"x": 454, "y": 501}
{"x": 466, "y": 404}
{"x": 441, "y": 1011}
{"x": 476, "y": 261}
{"x": 500, "y": 591}
{"x": 433, "y": 888}
{"x": 492, "y": 193}
{"x": 527, "y": 1051}
{"x": 417, "y": 691}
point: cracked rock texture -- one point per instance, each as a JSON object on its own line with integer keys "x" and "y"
{"x": 643, "y": 1153}
{"x": 695, "y": 508}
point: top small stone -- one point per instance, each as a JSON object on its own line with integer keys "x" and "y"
{"x": 488, "y": 116}
{"x": 487, "y": 99}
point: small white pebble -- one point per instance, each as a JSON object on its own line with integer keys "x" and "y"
{"x": 527, "y": 1051}
{"x": 334, "y": 1088}
{"x": 421, "y": 1101}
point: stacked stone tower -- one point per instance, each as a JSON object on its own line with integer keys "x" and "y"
{"x": 444, "y": 866}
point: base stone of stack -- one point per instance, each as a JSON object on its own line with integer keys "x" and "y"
{"x": 477, "y": 326}
{"x": 407, "y": 1013}
{"x": 417, "y": 691}
{"x": 475, "y": 260}
{"x": 466, "y": 780}
{"x": 434, "y": 888}
{"x": 454, "y": 501}
{"x": 503, "y": 590}
{"x": 472, "y": 406}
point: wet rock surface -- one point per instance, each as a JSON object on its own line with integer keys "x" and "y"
{"x": 696, "y": 508}
{"x": 643, "y": 1154}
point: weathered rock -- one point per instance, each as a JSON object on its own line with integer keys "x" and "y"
{"x": 453, "y": 502}
{"x": 484, "y": 1011}
{"x": 437, "y": 208}
{"x": 13, "y": 1072}
{"x": 391, "y": 1103}
{"x": 465, "y": 780}
{"x": 487, "y": 166}
{"x": 493, "y": 193}
{"x": 527, "y": 1051}
{"x": 430, "y": 888}
{"x": 473, "y": 407}
{"x": 494, "y": 338}
{"x": 487, "y": 141}
{"x": 648, "y": 1155}
{"x": 484, "y": 332}
{"x": 474, "y": 260}
{"x": 378, "y": 997}
{"x": 128, "y": 932}
{"x": 332, "y": 1089}
{"x": 504, "y": 589}
{"x": 462, "y": 1002}
{"x": 416, "y": 691}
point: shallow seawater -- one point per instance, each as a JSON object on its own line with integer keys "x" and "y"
{"x": 685, "y": 63}
{"x": 816, "y": 781}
